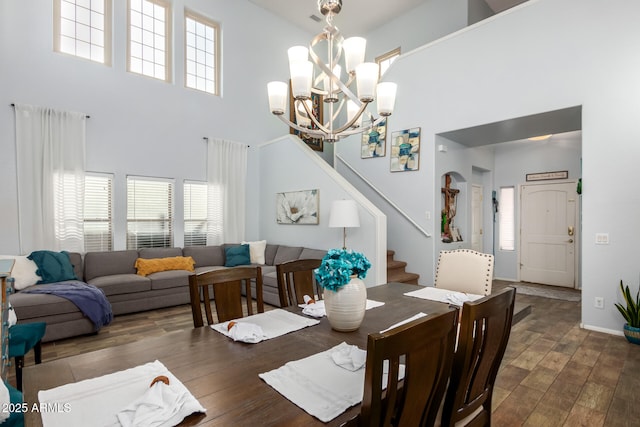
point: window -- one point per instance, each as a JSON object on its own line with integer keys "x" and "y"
{"x": 149, "y": 38}
{"x": 506, "y": 213}
{"x": 201, "y": 58}
{"x": 83, "y": 28}
{"x": 384, "y": 61}
{"x": 195, "y": 213}
{"x": 149, "y": 213}
{"x": 98, "y": 231}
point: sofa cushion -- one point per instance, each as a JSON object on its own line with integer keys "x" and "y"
{"x": 154, "y": 265}
{"x": 159, "y": 252}
{"x": 270, "y": 279}
{"x": 205, "y": 255}
{"x": 169, "y": 279}
{"x": 256, "y": 251}
{"x": 206, "y": 268}
{"x": 270, "y": 254}
{"x": 53, "y": 266}
{"x": 34, "y": 306}
{"x": 287, "y": 253}
{"x": 99, "y": 264}
{"x": 121, "y": 283}
{"x": 23, "y": 271}
{"x": 312, "y": 254}
{"x": 237, "y": 255}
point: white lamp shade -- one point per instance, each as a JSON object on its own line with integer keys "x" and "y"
{"x": 277, "y": 97}
{"x": 298, "y": 54}
{"x": 301, "y": 76}
{"x": 302, "y": 118}
{"x": 352, "y": 110}
{"x": 353, "y": 49}
{"x": 366, "y": 80}
{"x": 344, "y": 213}
{"x": 386, "y": 98}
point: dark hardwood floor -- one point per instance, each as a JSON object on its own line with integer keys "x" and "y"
{"x": 553, "y": 374}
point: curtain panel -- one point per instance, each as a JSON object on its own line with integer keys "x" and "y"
{"x": 50, "y": 156}
{"x": 226, "y": 181}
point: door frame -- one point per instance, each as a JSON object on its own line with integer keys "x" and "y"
{"x": 578, "y": 233}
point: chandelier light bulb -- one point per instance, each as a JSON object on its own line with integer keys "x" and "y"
{"x": 278, "y": 92}
{"x": 301, "y": 76}
{"x": 366, "y": 80}
{"x": 354, "y": 48}
{"x": 386, "y": 95}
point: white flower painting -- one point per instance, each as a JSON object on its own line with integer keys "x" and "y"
{"x": 297, "y": 207}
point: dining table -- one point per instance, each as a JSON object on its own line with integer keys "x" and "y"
{"x": 222, "y": 374}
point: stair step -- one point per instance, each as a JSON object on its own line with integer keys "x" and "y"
{"x": 403, "y": 277}
{"x": 393, "y": 264}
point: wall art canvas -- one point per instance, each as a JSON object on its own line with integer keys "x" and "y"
{"x": 374, "y": 142}
{"x": 297, "y": 114}
{"x": 297, "y": 207}
{"x": 405, "y": 150}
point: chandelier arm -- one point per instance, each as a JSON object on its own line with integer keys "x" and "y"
{"x": 362, "y": 130}
{"x": 353, "y": 120}
{"x": 314, "y": 119}
{"x": 312, "y": 132}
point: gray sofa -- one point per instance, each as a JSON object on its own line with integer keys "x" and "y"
{"x": 115, "y": 273}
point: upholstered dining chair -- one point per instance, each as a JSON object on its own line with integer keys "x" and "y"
{"x": 425, "y": 346}
{"x": 296, "y": 279}
{"x": 465, "y": 270}
{"x": 484, "y": 333}
{"x": 227, "y": 287}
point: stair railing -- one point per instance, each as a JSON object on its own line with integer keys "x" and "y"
{"x": 383, "y": 196}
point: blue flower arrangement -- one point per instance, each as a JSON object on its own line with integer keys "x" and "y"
{"x": 337, "y": 267}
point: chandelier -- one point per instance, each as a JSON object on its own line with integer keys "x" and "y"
{"x": 328, "y": 86}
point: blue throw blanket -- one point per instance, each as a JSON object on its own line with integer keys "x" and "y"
{"x": 88, "y": 298}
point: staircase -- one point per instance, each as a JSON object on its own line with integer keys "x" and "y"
{"x": 396, "y": 273}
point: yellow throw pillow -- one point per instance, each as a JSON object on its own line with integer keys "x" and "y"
{"x": 154, "y": 265}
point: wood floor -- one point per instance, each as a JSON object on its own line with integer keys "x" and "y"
{"x": 553, "y": 372}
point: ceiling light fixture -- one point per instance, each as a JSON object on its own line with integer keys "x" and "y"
{"x": 335, "y": 93}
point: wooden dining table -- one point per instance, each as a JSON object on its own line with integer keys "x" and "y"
{"x": 223, "y": 374}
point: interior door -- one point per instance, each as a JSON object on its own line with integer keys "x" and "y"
{"x": 548, "y": 227}
{"x": 476, "y": 218}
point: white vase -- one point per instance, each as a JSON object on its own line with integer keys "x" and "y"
{"x": 345, "y": 307}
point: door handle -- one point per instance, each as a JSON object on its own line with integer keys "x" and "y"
{"x": 570, "y": 231}
{"x": 570, "y": 241}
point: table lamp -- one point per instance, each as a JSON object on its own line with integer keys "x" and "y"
{"x": 344, "y": 213}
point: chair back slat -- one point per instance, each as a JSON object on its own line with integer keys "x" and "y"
{"x": 484, "y": 333}
{"x": 296, "y": 279}
{"x": 426, "y": 348}
{"x": 226, "y": 285}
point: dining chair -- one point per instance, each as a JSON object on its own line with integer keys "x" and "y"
{"x": 227, "y": 287}
{"x": 425, "y": 346}
{"x": 484, "y": 333}
{"x": 22, "y": 338}
{"x": 296, "y": 279}
{"x": 465, "y": 270}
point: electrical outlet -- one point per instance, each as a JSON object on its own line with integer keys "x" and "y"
{"x": 598, "y": 302}
{"x": 428, "y": 215}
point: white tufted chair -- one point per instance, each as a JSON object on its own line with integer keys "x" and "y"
{"x": 465, "y": 270}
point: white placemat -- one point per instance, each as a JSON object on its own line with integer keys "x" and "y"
{"x": 443, "y": 295}
{"x": 417, "y": 316}
{"x": 318, "y": 385}
{"x": 97, "y": 401}
{"x": 317, "y": 309}
{"x": 273, "y": 323}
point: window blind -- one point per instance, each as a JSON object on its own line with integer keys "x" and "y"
{"x": 98, "y": 224}
{"x": 149, "y": 213}
{"x": 507, "y": 218}
{"x": 195, "y": 214}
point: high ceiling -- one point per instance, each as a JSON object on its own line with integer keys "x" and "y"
{"x": 358, "y": 16}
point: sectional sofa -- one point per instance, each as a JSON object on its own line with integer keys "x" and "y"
{"x": 128, "y": 292}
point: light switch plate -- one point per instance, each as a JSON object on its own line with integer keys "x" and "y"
{"x": 602, "y": 238}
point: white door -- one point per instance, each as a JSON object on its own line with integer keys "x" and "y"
{"x": 476, "y": 218}
{"x": 548, "y": 227}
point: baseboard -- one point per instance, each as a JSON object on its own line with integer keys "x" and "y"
{"x": 603, "y": 330}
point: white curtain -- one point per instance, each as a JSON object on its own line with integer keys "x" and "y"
{"x": 50, "y": 151}
{"x": 227, "y": 177}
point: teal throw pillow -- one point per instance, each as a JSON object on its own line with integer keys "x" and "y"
{"x": 53, "y": 266}
{"x": 237, "y": 255}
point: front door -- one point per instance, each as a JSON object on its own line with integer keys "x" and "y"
{"x": 548, "y": 227}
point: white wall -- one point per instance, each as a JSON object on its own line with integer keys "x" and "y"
{"x": 286, "y": 164}
{"x": 540, "y": 56}
{"x": 139, "y": 125}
